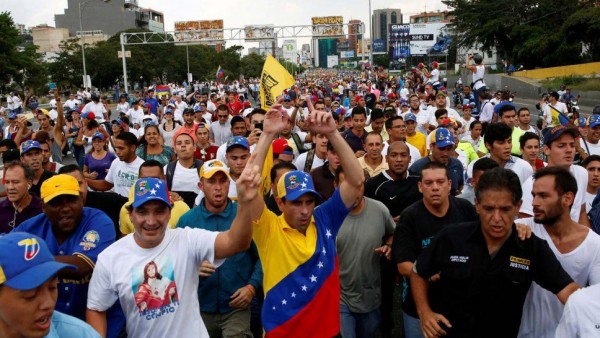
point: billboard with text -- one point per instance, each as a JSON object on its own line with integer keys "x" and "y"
{"x": 329, "y": 26}
{"x": 418, "y": 39}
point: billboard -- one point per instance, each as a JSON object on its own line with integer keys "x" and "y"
{"x": 290, "y": 50}
{"x": 418, "y": 39}
{"x": 203, "y": 31}
{"x": 347, "y": 54}
{"x": 328, "y": 26}
{"x": 332, "y": 61}
{"x": 429, "y": 39}
{"x": 378, "y": 46}
{"x": 258, "y": 33}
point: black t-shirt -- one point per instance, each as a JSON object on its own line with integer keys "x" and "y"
{"x": 323, "y": 180}
{"x": 396, "y": 195}
{"x": 416, "y": 230}
{"x": 35, "y": 188}
{"x": 109, "y": 202}
{"x": 483, "y": 296}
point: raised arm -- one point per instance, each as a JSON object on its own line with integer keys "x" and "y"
{"x": 321, "y": 122}
{"x": 60, "y": 121}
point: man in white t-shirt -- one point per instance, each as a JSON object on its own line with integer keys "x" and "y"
{"x": 559, "y": 148}
{"x": 157, "y": 284}
{"x": 182, "y": 174}
{"x": 440, "y": 103}
{"x": 96, "y": 107}
{"x": 179, "y": 107}
{"x": 580, "y": 315}
{"x": 135, "y": 114}
{"x": 211, "y": 105}
{"x": 124, "y": 171}
{"x": 422, "y": 115}
{"x": 576, "y": 247}
{"x": 315, "y": 157}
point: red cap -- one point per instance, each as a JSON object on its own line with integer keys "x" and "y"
{"x": 434, "y": 64}
{"x": 357, "y": 98}
{"x": 446, "y": 121}
{"x": 279, "y": 145}
{"x": 391, "y": 96}
{"x": 421, "y": 65}
{"x": 91, "y": 116}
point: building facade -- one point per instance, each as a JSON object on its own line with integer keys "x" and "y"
{"x": 354, "y": 36}
{"x": 431, "y": 17}
{"x": 48, "y": 39}
{"x": 380, "y": 20}
{"x": 109, "y": 17}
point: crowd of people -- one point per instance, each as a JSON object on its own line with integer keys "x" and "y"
{"x": 196, "y": 213}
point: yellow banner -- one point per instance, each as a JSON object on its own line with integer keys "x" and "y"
{"x": 273, "y": 81}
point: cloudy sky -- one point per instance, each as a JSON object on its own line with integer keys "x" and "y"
{"x": 235, "y": 13}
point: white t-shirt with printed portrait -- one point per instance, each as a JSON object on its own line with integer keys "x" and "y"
{"x": 157, "y": 287}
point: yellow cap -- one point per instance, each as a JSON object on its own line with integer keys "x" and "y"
{"x": 59, "y": 185}
{"x": 212, "y": 167}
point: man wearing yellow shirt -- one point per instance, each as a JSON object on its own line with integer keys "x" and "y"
{"x": 418, "y": 140}
{"x": 151, "y": 168}
{"x": 297, "y": 249}
{"x": 508, "y": 115}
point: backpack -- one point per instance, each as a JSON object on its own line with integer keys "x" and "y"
{"x": 310, "y": 157}
{"x": 298, "y": 143}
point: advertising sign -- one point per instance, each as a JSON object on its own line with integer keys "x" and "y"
{"x": 257, "y": 33}
{"x": 204, "y": 31}
{"x": 429, "y": 39}
{"x": 328, "y": 26}
{"x": 378, "y": 46}
{"x": 289, "y": 50}
{"x": 418, "y": 39}
{"x": 347, "y": 54}
{"x": 332, "y": 61}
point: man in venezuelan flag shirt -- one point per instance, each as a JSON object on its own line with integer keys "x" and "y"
{"x": 297, "y": 249}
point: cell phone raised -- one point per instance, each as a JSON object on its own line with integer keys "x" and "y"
{"x": 258, "y": 126}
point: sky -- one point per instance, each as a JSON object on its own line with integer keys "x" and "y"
{"x": 235, "y": 13}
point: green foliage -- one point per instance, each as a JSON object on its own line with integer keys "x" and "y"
{"x": 381, "y": 60}
{"x": 534, "y": 33}
{"x": 252, "y": 65}
{"x": 575, "y": 82}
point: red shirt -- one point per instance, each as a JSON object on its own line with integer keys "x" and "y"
{"x": 209, "y": 154}
{"x": 235, "y": 107}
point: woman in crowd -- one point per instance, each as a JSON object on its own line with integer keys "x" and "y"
{"x": 151, "y": 147}
{"x": 122, "y": 106}
{"x": 72, "y": 130}
{"x": 85, "y": 134}
{"x": 98, "y": 160}
{"x": 169, "y": 126}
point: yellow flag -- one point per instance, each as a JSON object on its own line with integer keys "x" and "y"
{"x": 274, "y": 79}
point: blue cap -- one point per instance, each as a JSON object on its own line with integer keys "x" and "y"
{"x": 293, "y": 184}
{"x": 581, "y": 122}
{"x": 168, "y": 111}
{"x": 26, "y": 262}
{"x": 552, "y": 134}
{"x": 594, "y": 121}
{"x": 150, "y": 189}
{"x": 12, "y": 116}
{"x": 443, "y": 138}
{"x": 286, "y": 98}
{"x": 98, "y": 135}
{"x": 410, "y": 117}
{"x": 198, "y": 108}
{"x": 237, "y": 141}
{"x": 29, "y": 145}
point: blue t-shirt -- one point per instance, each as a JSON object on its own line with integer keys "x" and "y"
{"x": 65, "y": 326}
{"x": 94, "y": 234}
{"x": 455, "y": 171}
{"x": 99, "y": 166}
{"x": 153, "y": 105}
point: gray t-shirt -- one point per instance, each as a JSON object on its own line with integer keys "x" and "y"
{"x": 359, "y": 236}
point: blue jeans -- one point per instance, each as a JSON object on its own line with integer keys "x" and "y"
{"x": 359, "y": 325}
{"x": 412, "y": 326}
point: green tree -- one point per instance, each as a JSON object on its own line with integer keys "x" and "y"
{"x": 252, "y": 65}
{"x": 584, "y": 26}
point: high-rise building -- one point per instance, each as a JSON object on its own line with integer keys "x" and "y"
{"x": 22, "y": 29}
{"x": 431, "y": 17}
{"x": 109, "y": 17}
{"x": 354, "y": 27}
{"x": 380, "y": 20}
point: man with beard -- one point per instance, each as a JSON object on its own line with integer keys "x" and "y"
{"x": 19, "y": 204}
{"x": 75, "y": 235}
{"x": 31, "y": 154}
{"x": 421, "y": 115}
{"x": 576, "y": 247}
{"x": 225, "y": 293}
{"x": 559, "y": 148}
{"x": 419, "y": 224}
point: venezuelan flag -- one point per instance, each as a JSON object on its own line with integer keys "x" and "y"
{"x": 301, "y": 273}
{"x": 220, "y": 72}
{"x": 560, "y": 119}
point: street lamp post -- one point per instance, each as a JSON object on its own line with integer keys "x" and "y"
{"x": 370, "y": 35}
{"x": 81, "y": 7}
